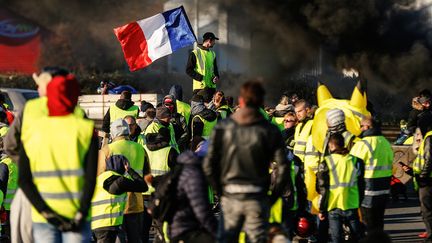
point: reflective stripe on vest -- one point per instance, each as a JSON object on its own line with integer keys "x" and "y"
{"x": 133, "y": 152}
{"x": 116, "y": 112}
{"x": 57, "y": 173}
{"x": 301, "y": 135}
{"x": 48, "y": 152}
{"x": 343, "y": 193}
{"x": 204, "y": 66}
{"x": 12, "y": 182}
{"x": 184, "y": 109}
{"x": 377, "y": 154}
{"x": 419, "y": 161}
{"x": 207, "y": 128}
{"x": 107, "y": 209}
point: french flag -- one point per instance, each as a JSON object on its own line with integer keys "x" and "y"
{"x": 147, "y": 40}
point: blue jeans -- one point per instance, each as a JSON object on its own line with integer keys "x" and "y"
{"x": 47, "y": 233}
{"x": 350, "y": 217}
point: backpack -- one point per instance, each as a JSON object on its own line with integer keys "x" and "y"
{"x": 163, "y": 203}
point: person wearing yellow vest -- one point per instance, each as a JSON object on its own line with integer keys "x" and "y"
{"x": 303, "y": 128}
{"x": 136, "y": 155}
{"x": 58, "y": 173}
{"x": 422, "y": 172}
{"x": 178, "y": 122}
{"x": 8, "y": 177}
{"x": 109, "y": 200}
{"x": 123, "y": 107}
{"x": 202, "y": 66}
{"x": 163, "y": 118}
{"x": 335, "y": 119}
{"x": 220, "y": 105}
{"x": 183, "y": 108}
{"x": 280, "y": 111}
{"x": 340, "y": 179}
{"x": 203, "y": 119}
{"x": 162, "y": 158}
{"x": 377, "y": 155}
{"x": 21, "y": 223}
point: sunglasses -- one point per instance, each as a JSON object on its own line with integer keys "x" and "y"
{"x": 289, "y": 121}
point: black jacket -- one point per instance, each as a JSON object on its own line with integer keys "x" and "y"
{"x": 193, "y": 210}
{"x": 240, "y": 152}
{"x": 119, "y": 184}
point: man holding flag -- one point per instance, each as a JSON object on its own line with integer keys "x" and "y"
{"x": 202, "y": 67}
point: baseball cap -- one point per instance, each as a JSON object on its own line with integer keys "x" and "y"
{"x": 209, "y": 35}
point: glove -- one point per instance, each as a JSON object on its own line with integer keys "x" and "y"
{"x": 61, "y": 223}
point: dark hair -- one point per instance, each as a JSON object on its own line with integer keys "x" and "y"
{"x": 55, "y": 71}
{"x": 337, "y": 140}
{"x": 252, "y": 93}
{"x": 126, "y": 94}
{"x": 150, "y": 113}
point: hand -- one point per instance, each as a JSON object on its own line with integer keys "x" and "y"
{"x": 126, "y": 166}
{"x": 406, "y": 168}
{"x": 61, "y": 223}
{"x": 78, "y": 222}
{"x": 321, "y": 216}
{"x": 215, "y": 79}
{"x": 148, "y": 179}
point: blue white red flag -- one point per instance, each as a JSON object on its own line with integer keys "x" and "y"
{"x": 147, "y": 40}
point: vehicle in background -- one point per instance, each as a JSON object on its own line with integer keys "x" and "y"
{"x": 16, "y": 98}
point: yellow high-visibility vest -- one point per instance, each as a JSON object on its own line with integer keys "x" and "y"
{"x": 184, "y": 109}
{"x": 107, "y": 209}
{"x": 57, "y": 160}
{"x": 133, "y": 152}
{"x": 205, "y": 67}
{"x": 154, "y": 128}
{"x": 420, "y": 159}
{"x": 116, "y": 112}
{"x": 208, "y": 127}
{"x": 377, "y": 155}
{"x": 301, "y": 135}
{"x": 12, "y": 182}
{"x": 343, "y": 191}
{"x": 158, "y": 160}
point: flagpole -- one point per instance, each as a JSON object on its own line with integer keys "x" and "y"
{"x": 196, "y": 22}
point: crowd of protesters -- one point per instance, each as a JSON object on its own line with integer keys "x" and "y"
{"x": 247, "y": 173}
